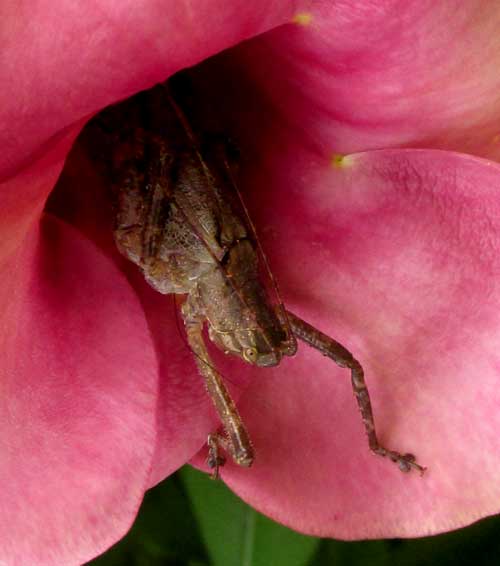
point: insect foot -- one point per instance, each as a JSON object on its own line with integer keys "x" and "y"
{"x": 215, "y": 459}
{"x": 405, "y": 462}
{"x": 243, "y": 455}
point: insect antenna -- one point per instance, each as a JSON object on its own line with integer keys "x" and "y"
{"x": 248, "y": 219}
{"x": 251, "y": 225}
{"x": 182, "y": 119}
{"x": 192, "y": 139}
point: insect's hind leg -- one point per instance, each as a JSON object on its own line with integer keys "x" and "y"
{"x": 342, "y": 357}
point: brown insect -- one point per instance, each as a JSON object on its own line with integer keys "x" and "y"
{"x": 176, "y": 218}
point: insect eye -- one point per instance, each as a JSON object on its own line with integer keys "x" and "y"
{"x": 250, "y": 355}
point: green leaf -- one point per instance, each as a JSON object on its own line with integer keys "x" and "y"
{"x": 364, "y": 553}
{"x": 478, "y": 544}
{"x": 235, "y": 534}
{"x": 164, "y": 533}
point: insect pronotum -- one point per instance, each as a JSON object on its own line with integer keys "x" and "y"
{"x": 176, "y": 219}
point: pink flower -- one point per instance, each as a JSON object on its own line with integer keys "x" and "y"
{"x": 393, "y": 252}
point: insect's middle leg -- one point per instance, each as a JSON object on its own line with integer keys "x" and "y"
{"x": 342, "y": 357}
{"x": 237, "y": 443}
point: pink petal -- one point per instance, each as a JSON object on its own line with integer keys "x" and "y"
{"x": 78, "y": 401}
{"x": 23, "y": 196}
{"x": 396, "y": 254}
{"x": 365, "y": 75}
{"x": 110, "y": 54}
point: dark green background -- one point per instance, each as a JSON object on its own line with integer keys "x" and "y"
{"x": 190, "y": 520}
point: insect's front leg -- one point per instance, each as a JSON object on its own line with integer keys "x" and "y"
{"x": 342, "y": 357}
{"x": 237, "y": 442}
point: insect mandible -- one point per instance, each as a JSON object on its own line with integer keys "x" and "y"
{"x": 175, "y": 220}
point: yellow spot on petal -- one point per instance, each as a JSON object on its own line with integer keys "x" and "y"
{"x": 302, "y": 19}
{"x": 340, "y": 161}
{"x": 496, "y": 139}
{"x": 337, "y": 160}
